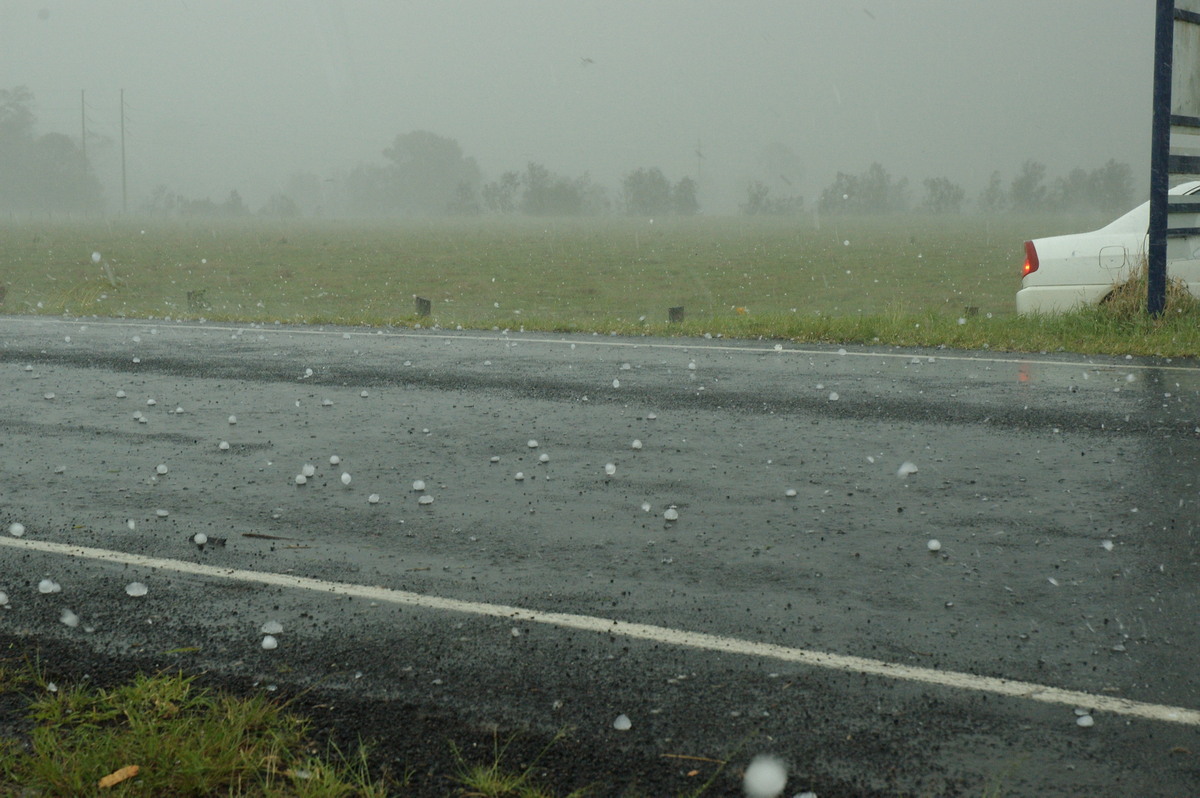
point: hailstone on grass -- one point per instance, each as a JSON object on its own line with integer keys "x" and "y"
{"x": 49, "y": 586}
{"x": 269, "y": 643}
{"x": 136, "y": 589}
{"x": 68, "y": 618}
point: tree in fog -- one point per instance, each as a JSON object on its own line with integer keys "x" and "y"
{"x": 872, "y": 192}
{"x": 759, "y": 202}
{"x": 684, "y": 201}
{"x": 646, "y": 192}
{"x": 423, "y": 176}
{"x": 1113, "y": 186}
{"x": 500, "y": 195}
{"x": 545, "y": 193}
{"x": 1028, "y": 191}
{"x": 280, "y": 206}
{"x": 993, "y": 198}
{"x": 46, "y": 173}
{"x": 942, "y": 195}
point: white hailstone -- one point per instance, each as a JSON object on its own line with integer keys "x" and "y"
{"x": 68, "y": 618}
{"x": 161, "y": 468}
{"x": 833, "y": 396}
{"x": 178, "y": 409}
{"x": 199, "y": 538}
{"x": 645, "y": 507}
{"x": 161, "y": 513}
{"x": 637, "y": 444}
{"x": 1130, "y": 378}
{"x": 418, "y": 484}
{"x": 691, "y": 365}
{"x": 363, "y": 394}
{"x": 610, "y": 469}
{"x": 543, "y": 458}
{"x": 269, "y": 643}
{"x": 650, "y": 416}
{"x": 308, "y": 372}
{"x": 778, "y": 347}
{"x": 494, "y": 459}
{"x": 233, "y": 419}
{"x": 616, "y": 383}
{"x": 95, "y": 257}
{"x": 671, "y": 514}
{"x": 49, "y": 586}
{"x": 790, "y": 493}
{"x": 131, "y": 524}
{"x": 373, "y": 498}
{"x": 766, "y": 776}
{"x": 137, "y": 360}
{"x": 622, "y": 723}
{"x": 326, "y": 403}
{"x": 515, "y": 632}
{"x": 301, "y": 479}
{"x": 223, "y": 446}
{"x": 841, "y": 351}
{"x": 135, "y": 589}
{"x": 16, "y": 529}
{"x": 1107, "y": 545}
{"x": 425, "y": 499}
{"x": 3, "y": 599}
{"x": 345, "y": 478}
{"x": 933, "y": 544}
{"x": 334, "y": 460}
{"x": 48, "y": 396}
{"x": 520, "y": 475}
{"x": 151, "y": 402}
{"x": 271, "y": 628}
{"x": 61, "y": 469}
{"x": 532, "y": 444}
{"x": 625, "y": 367}
{"x": 1085, "y": 721}
{"x": 121, "y": 394}
{"x": 906, "y": 468}
{"x": 308, "y": 470}
{"x": 29, "y": 368}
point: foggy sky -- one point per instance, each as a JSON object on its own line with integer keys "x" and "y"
{"x": 225, "y": 95}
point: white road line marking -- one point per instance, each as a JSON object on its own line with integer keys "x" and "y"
{"x": 706, "y": 344}
{"x": 659, "y": 634}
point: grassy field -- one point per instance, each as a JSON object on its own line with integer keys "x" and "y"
{"x": 894, "y": 280}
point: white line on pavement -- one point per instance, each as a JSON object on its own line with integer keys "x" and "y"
{"x": 749, "y": 348}
{"x": 660, "y": 634}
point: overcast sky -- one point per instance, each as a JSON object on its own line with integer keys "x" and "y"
{"x": 240, "y": 94}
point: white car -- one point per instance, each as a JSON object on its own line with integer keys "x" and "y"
{"x": 1062, "y": 273}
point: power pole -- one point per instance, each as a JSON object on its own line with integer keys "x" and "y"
{"x": 83, "y": 130}
{"x": 124, "y": 189}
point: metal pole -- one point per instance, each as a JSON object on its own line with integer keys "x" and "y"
{"x": 1160, "y": 147}
{"x": 124, "y": 189}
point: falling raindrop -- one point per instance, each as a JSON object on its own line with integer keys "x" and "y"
{"x": 622, "y": 723}
{"x": 136, "y": 589}
{"x": 49, "y": 586}
{"x": 16, "y": 529}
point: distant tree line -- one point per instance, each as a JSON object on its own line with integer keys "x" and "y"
{"x": 45, "y": 173}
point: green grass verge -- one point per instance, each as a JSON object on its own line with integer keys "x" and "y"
{"x": 183, "y": 740}
{"x": 905, "y": 281}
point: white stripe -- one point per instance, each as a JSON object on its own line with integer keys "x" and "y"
{"x": 660, "y": 634}
{"x": 705, "y": 345}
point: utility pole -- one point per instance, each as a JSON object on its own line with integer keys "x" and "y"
{"x": 124, "y": 188}
{"x": 83, "y": 130}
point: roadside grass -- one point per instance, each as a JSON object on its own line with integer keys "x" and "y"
{"x": 915, "y": 281}
{"x": 184, "y": 741}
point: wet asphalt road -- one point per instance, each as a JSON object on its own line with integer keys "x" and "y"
{"x": 1062, "y": 489}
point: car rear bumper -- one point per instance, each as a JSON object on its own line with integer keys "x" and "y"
{"x": 1050, "y": 299}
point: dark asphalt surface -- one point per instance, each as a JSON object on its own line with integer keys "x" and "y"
{"x": 1063, "y": 490}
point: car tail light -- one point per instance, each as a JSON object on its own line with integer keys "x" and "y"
{"x": 1031, "y": 259}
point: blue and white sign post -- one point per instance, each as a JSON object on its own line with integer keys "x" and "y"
{"x": 1175, "y": 142}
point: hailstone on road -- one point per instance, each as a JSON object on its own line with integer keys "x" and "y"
{"x": 16, "y": 529}
{"x": 622, "y": 723}
{"x": 765, "y": 777}
{"x": 136, "y": 589}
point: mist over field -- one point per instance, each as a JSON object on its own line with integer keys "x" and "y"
{"x": 336, "y": 109}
